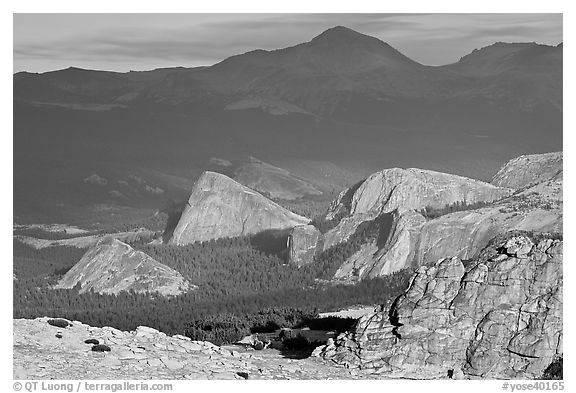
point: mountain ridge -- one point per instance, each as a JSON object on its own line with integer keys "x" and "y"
{"x": 318, "y": 76}
{"x": 176, "y": 67}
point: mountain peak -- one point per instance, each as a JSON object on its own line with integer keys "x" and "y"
{"x": 341, "y": 34}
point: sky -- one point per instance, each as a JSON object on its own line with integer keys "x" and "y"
{"x": 124, "y": 42}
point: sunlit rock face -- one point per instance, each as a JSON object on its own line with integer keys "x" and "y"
{"x": 112, "y": 266}
{"x": 415, "y": 189}
{"x": 220, "y": 207}
{"x": 500, "y": 316}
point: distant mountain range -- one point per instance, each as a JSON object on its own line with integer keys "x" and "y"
{"x": 343, "y": 99}
{"x": 329, "y": 75}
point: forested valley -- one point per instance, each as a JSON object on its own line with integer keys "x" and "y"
{"x": 243, "y": 283}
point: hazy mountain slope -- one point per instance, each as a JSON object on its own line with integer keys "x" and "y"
{"x": 524, "y": 75}
{"x": 77, "y": 85}
{"x": 71, "y": 85}
{"x": 274, "y": 182}
{"x": 501, "y": 57}
{"x": 219, "y": 207}
{"x": 55, "y": 149}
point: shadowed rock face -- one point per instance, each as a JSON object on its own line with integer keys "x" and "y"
{"x": 396, "y": 254}
{"x": 219, "y": 207}
{"x": 499, "y": 318}
{"x": 112, "y": 266}
{"x": 528, "y": 170}
{"x": 302, "y": 244}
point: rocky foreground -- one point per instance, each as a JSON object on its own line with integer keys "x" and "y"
{"x": 498, "y": 316}
{"x": 149, "y": 354}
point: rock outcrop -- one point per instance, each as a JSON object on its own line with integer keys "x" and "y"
{"x": 146, "y": 353}
{"x": 525, "y": 171}
{"x": 416, "y": 238}
{"x": 500, "y": 316}
{"x": 113, "y": 266}
{"x": 302, "y": 244}
{"x": 463, "y": 234}
{"x": 220, "y": 207}
{"x": 404, "y": 193}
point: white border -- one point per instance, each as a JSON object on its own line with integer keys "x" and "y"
{"x": 297, "y": 6}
